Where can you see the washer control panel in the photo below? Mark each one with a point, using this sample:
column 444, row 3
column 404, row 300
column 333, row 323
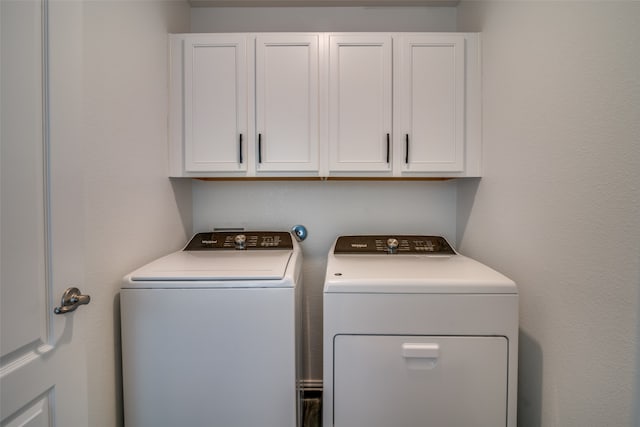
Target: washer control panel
column 240, row 240
column 403, row 244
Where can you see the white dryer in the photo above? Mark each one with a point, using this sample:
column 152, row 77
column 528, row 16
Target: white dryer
column 210, row 334
column 416, row 334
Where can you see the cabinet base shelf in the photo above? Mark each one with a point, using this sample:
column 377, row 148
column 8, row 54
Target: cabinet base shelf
column 317, row 178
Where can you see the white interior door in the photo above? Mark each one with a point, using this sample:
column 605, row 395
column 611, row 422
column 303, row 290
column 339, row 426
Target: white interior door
column 42, row 366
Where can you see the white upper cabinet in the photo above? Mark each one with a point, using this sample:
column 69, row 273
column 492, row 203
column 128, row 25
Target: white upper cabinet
column 431, row 92
column 404, row 105
column 382, row 105
column 215, row 103
column 360, row 103
column 244, row 105
column 287, row 97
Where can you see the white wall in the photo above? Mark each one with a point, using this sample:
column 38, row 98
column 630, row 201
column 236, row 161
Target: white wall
column 255, row 19
column 133, row 212
column 327, row 209
column 558, row 208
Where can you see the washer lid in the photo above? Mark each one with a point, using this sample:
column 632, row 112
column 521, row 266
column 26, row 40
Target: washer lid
column 197, row 266
column 453, row 274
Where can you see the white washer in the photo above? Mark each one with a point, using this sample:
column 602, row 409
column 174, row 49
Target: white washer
column 210, row 334
column 416, row 334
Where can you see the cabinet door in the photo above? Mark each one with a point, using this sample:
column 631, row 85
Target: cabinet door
column 287, row 102
column 360, row 103
column 215, row 103
column 382, row 381
column 432, row 103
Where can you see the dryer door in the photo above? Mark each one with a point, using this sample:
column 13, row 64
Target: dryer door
column 382, row 381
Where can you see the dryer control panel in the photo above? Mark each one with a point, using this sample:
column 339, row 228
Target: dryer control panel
column 391, row 244
column 240, row 240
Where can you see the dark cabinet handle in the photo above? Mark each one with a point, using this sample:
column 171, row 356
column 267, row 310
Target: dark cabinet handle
column 388, row 148
column 259, row 148
column 240, row 148
column 406, row 148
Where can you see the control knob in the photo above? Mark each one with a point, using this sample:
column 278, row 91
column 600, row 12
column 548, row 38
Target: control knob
column 240, row 241
column 392, row 245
